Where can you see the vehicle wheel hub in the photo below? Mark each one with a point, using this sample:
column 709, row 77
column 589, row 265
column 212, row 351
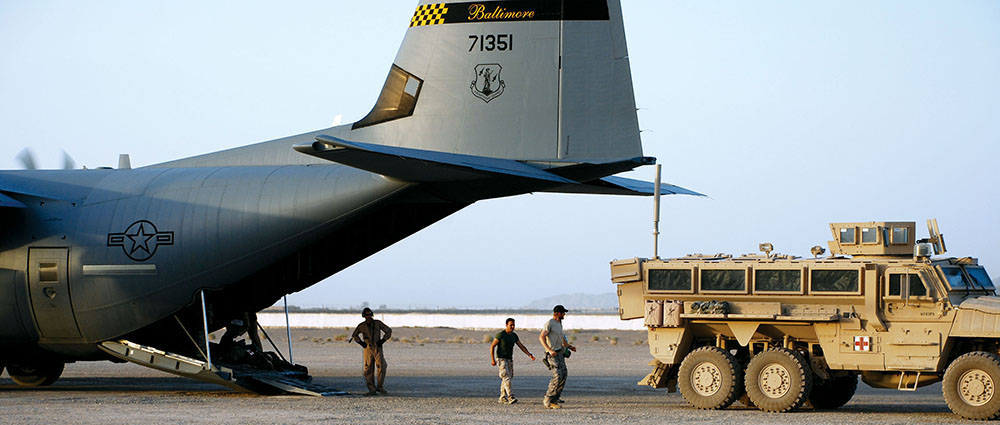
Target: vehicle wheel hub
column 775, row 381
column 706, row 379
column 976, row 387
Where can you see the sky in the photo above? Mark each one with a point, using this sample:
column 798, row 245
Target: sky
column 789, row 115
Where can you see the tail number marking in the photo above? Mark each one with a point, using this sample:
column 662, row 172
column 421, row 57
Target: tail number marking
column 492, row 42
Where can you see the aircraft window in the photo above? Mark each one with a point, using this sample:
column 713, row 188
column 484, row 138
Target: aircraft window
column 917, row 288
column 834, row 281
column 777, row 280
column 397, row 100
column 723, row 280
column 900, row 236
column 412, row 86
column 670, row 280
column 847, row 235
column 979, row 274
column 955, row 277
column 869, row 235
column 48, row 272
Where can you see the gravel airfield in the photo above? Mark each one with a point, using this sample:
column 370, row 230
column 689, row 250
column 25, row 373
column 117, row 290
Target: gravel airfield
column 435, row 375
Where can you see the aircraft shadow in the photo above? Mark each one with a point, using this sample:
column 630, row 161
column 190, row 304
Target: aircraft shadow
column 123, row 384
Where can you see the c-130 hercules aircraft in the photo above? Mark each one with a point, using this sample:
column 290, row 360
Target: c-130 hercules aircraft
column 484, row 100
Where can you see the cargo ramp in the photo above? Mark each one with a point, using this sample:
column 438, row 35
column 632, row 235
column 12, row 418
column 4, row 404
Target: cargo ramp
column 237, row 377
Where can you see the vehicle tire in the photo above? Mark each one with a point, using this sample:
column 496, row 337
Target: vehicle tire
column 970, row 386
column 709, row 378
column 745, row 400
column 35, row 375
column 833, row 393
column 742, row 392
column 778, row 380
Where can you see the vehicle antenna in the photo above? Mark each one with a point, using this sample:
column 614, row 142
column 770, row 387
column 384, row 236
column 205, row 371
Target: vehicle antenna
column 656, row 213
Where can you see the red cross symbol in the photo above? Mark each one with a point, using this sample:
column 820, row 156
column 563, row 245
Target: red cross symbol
column 862, row 343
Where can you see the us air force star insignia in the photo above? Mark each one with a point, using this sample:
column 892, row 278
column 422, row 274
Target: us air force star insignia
column 488, row 85
column 140, row 240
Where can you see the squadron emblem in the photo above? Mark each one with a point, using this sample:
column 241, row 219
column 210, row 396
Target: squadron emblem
column 488, row 85
column 140, row 240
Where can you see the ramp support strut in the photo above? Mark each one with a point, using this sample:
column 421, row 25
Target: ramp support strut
column 204, row 318
column 288, row 331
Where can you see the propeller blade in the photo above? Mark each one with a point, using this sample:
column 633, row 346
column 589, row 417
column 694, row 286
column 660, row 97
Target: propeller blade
column 27, row 159
column 68, row 162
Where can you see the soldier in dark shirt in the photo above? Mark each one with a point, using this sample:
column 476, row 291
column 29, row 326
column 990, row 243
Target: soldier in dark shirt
column 368, row 336
column 245, row 324
column 503, row 346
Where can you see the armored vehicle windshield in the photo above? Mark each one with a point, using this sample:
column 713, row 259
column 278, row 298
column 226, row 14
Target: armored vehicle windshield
column 967, row 278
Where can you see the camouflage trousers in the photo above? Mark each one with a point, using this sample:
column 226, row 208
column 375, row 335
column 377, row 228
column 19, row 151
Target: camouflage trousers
column 557, row 364
column 506, row 367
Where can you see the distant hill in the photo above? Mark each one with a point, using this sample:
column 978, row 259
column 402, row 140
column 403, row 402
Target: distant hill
column 608, row 301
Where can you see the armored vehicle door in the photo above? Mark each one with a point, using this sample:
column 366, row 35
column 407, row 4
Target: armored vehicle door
column 906, row 296
column 913, row 311
column 48, row 284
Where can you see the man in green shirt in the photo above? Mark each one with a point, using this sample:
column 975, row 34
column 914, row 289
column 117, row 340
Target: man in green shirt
column 503, row 347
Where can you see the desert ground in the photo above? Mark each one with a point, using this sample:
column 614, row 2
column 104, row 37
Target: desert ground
column 435, row 376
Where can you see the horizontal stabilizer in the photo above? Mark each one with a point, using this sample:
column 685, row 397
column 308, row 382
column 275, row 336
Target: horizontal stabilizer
column 421, row 166
column 8, row 202
column 622, row 186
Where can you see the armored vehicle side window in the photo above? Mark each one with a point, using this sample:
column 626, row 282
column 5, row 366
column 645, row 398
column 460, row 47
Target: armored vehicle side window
column 847, row 235
column 900, row 236
column 982, row 279
column 670, row 280
column 917, row 288
column 833, row 281
column 956, row 280
column 724, row 280
column 869, row 235
column 777, row 280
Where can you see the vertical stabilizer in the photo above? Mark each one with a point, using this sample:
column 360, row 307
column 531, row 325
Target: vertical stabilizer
column 525, row 80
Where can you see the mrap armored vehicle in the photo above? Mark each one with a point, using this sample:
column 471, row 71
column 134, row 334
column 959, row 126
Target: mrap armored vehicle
column 777, row 331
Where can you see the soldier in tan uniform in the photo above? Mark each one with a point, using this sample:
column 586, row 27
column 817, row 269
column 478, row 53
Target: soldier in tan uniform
column 557, row 349
column 370, row 335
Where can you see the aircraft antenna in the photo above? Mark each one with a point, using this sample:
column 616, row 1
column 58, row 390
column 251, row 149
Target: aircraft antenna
column 124, row 162
column 656, row 213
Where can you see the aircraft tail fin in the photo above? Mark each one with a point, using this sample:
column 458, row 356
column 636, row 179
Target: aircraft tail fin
column 522, row 80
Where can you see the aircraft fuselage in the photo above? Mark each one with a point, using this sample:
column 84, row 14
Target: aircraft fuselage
column 122, row 249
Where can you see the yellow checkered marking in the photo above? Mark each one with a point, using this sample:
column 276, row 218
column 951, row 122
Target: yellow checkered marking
column 429, row 14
